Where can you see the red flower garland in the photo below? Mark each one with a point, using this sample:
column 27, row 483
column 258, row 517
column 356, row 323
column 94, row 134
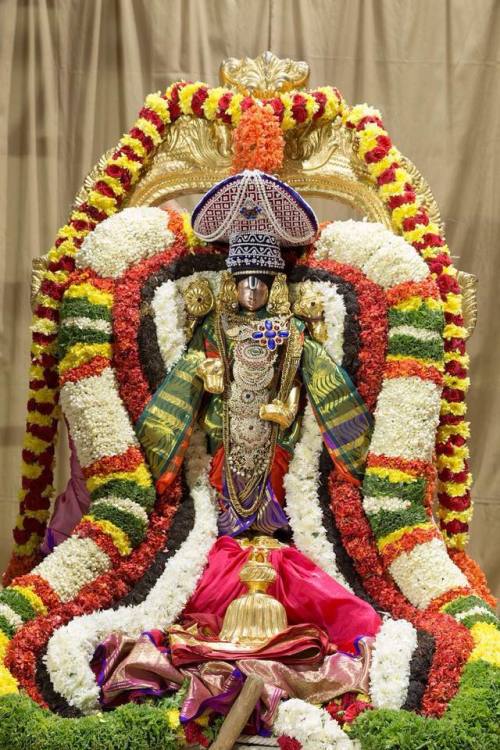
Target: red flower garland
column 25, row 646
column 474, row 575
column 453, row 641
column 134, row 388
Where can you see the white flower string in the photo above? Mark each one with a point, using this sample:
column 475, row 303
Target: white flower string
column 302, row 501
column 393, row 649
column 170, row 318
column 312, row 726
column 123, row 240
column 71, row 647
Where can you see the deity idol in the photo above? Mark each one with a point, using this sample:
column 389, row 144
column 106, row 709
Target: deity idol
column 261, row 606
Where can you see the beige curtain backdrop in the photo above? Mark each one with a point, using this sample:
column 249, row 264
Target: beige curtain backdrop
column 74, row 73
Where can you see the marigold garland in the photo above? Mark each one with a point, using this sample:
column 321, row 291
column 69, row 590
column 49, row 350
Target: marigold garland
column 258, row 141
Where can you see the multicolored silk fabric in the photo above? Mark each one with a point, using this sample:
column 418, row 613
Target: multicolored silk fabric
column 344, row 419
column 165, row 426
column 324, row 652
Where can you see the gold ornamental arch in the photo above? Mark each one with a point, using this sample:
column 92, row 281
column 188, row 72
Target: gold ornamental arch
column 320, row 159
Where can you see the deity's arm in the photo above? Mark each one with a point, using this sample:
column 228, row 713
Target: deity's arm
column 164, row 427
column 344, row 419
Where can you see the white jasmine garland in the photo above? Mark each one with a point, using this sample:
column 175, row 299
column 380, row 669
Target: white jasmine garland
column 71, row 565
column 393, row 649
column 312, row 726
column 123, row 240
column 396, row 261
column 302, row 502
column 351, row 242
column 98, row 421
column 94, row 324
column 71, row 647
column 426, row 572
column 170, row 319
column 406, row 418
column 335, row 315
column 374, row 504
column 422, row 334
column 170, row 314
column 384, row 257
column 477, row 610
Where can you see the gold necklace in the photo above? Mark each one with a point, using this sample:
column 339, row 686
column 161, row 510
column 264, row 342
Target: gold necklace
column 235, row 496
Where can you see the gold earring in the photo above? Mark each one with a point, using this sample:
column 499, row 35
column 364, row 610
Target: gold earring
column 227, row 300
column 278, row 302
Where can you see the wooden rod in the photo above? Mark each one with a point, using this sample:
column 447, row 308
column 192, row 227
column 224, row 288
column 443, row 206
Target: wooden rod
column 239, row 713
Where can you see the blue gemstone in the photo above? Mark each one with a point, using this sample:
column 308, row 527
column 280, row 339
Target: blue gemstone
column 270, row 334
column 268, row 324
column 283, row 334
column 257, row 335
column 271, row 344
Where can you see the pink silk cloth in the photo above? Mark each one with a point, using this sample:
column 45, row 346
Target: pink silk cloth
column 301, row 662
column 308, row 594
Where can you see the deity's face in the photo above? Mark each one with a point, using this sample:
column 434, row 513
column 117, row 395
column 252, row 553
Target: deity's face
column 253, row 293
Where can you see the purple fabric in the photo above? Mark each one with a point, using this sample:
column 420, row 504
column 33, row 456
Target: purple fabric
column 269, row 517
column 69, row 506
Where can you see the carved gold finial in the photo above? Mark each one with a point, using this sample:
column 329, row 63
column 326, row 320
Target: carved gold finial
column 263, row 76
column 468, row 284
column 38, row 268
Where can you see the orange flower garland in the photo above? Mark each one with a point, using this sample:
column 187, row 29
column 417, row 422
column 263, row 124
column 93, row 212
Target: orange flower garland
column 258, row 141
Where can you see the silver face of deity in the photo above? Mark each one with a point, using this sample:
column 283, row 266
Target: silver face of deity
column 252, row 293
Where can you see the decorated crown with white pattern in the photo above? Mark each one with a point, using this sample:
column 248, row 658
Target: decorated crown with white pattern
column 256, row 214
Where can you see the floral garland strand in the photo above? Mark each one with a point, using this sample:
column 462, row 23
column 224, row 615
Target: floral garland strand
column 303, row 507
column 71, row 675
column 21, row 655
column 453, row 643
column 398, row 481
column 119, row 483
column 292, row 110
column 412, row 221
column 310, row 726
column 119, row 175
